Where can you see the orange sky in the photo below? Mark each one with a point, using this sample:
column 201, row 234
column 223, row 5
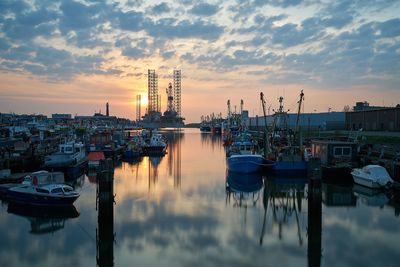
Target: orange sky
column 73, row 57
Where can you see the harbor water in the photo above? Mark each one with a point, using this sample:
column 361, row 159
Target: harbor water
column 185, row 209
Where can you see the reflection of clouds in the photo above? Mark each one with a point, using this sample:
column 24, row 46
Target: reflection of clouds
column 19, row 248
column 158, row 226
column 366, row 236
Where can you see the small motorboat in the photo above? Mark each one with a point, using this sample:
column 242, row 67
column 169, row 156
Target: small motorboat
column 53, row 194
column 373, row 176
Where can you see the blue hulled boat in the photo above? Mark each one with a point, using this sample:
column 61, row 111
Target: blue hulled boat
column 243, row 159
column 245, row 163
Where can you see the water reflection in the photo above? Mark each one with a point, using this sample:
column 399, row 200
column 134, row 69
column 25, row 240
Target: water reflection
column 243, row 190
column 371, row 196
column 211, row 140
column 196, row 213
column 338, row 195
column 44, row 220
column 284, row 199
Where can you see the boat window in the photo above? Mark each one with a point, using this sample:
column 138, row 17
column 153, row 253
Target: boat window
column 342, row 151
column 67, row 189
column 338, row 151
column 346, row 151
column 56, row 190
column 41, row 190
column 68, row 149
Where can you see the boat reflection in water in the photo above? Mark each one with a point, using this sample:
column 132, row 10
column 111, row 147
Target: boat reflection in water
column 44, row 220
column 243, row 188
column 371, row 196
column 284, row 197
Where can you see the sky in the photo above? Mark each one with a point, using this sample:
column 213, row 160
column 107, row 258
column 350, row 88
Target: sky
column 74, row 56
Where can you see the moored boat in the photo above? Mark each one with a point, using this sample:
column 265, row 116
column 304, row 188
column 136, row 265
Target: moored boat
column 243, row 159
column 245, row 163
column 373, row 176
column 56, row 194
column 156, row 145
column 69, row 154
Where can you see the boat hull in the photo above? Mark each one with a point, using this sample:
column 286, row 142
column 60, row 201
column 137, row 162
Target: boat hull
column 39, row 199
column 129, row 154
column 289, row 167
column 365, row 182
column 155, row 150
column 245, row 163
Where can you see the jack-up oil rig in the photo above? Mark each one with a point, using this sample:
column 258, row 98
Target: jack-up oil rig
column 172, row 117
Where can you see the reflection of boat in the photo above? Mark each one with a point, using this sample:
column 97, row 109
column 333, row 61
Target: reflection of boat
column 243, row 188
column 44, row 219
column 373, row 176
column 370, row 196
column 284, row 198
column 43, row 195
column 238, row 182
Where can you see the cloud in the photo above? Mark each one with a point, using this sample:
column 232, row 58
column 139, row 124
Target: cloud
column 131, row 20
column 204, row 9
column 170, row 28
column 160, row 8
column 77, row 16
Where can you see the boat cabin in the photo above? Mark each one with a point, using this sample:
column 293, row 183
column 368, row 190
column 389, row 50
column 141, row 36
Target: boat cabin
column 71, row 148
column 333, row 152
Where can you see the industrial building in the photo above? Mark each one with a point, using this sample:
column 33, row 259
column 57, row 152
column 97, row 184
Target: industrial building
column 308, row 121
column 383, row 119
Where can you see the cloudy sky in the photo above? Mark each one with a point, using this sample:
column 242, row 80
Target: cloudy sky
column 74, row 56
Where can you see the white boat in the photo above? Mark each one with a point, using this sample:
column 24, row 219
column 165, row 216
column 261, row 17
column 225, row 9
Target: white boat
column 156, row 145
column 69, row 154
column 373, row 176
column 43, row 195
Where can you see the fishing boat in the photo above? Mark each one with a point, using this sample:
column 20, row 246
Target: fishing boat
column 134, row 148
column 285, row 152
column 156, row 145
column 53, row 194
column 373, row 176
column 68, row 154
column 242, row 157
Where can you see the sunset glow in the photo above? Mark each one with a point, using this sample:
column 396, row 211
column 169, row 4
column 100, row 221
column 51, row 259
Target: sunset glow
column 74, row 56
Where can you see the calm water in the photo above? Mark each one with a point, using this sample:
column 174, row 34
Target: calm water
column 178, row 210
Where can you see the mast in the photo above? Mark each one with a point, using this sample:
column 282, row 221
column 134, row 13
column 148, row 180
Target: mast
column 229, row 113
column 298, row 113
column 266, row 141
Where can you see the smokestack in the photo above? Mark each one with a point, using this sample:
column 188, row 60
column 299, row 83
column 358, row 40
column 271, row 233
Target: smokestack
column 107, row 110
